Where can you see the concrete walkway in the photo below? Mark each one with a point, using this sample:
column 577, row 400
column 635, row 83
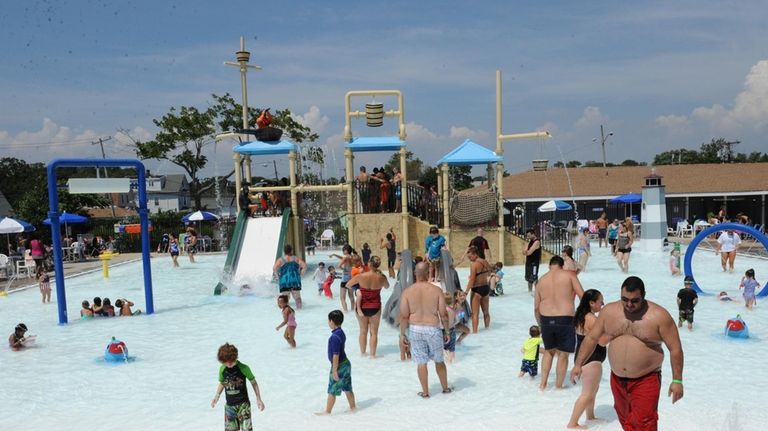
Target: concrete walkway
column 70, row 269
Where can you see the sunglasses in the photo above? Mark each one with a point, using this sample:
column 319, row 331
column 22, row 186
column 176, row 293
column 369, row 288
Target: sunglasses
column 631, row 301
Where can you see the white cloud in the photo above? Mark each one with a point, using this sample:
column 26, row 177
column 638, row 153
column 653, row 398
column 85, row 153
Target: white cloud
column 591, row 117
column 461, row 133
column 313, row 119
column 672, row 121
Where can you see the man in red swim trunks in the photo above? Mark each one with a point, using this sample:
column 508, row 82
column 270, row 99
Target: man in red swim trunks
column 637, row 328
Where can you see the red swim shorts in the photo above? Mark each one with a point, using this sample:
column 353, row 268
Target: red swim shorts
column 637, row 401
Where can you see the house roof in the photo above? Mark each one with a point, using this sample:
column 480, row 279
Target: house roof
column 172, row 183
column 469, row 153
column 107, row 212
column 5, row 206
column 679, row 180
column 375, row 143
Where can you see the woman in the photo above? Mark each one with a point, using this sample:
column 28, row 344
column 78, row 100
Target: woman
column 37, row 251
column 727, row 244
column 191, row 243
column 345, row 263
column 288, row 270
column 369, row 304
column 567, row 255
column 388, row 243
column 479, row 271
column 624, row 245
column 592, row 367
column 584, row 249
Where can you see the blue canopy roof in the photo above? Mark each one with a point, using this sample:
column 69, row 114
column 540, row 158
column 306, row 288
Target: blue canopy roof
column 376, row 143
column 261, row 148
column 469, row 153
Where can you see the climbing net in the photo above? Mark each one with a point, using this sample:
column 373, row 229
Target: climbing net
column 474, row 209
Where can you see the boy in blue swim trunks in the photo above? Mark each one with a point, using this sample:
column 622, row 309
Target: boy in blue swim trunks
column 232, row 377
column 340, row 378
column 531, row 353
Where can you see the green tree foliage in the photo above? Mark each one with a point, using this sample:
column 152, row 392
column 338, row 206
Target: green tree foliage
column 460, row 177
column 718, row 150
column 186, row 131
column 413, row 165
column 630, row 162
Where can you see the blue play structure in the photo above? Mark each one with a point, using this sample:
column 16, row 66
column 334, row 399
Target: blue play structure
column 55, row 217
column 736, row 328
column 738, row 227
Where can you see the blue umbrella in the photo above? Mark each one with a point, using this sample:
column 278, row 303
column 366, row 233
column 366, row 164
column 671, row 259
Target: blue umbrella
column 554, row 205
column 199, row 216
column 67, row 219
column 629, row 198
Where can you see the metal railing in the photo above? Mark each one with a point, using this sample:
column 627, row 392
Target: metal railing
column 425, row 204
column 372, row 197
column 552, row 236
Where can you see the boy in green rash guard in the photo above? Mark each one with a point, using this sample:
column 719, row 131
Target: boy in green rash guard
column 232, row 377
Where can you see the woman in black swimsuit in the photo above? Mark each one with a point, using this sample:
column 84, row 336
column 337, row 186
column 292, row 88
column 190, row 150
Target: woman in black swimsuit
column 592, row 369
column 479, row 271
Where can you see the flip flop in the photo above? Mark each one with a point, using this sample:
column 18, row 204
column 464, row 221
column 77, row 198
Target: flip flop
column 448, row 390
column 423, row 394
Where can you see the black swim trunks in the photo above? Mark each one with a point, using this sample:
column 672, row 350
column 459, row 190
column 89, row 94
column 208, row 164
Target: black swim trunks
column 532, row 272
column 483, row 291
column 601, row 233
column 558, row 332
column 686, row 316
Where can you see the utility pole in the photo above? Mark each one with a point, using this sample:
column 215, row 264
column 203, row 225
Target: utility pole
column 726, row 154
column 106, row 175
column 603, row 138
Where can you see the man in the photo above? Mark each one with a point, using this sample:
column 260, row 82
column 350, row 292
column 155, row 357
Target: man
column 637, row 328
column 532, row 258
column 423, row 309
column 602, row 229
column 481, row 244
column 554, row 310
column 363, row 186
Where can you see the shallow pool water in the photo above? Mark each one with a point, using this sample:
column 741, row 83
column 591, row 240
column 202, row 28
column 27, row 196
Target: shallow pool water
column 62, row 383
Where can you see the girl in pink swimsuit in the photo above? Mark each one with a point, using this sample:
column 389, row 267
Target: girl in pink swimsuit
column 289, row 320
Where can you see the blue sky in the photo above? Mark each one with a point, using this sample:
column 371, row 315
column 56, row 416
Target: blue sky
column 660, row 75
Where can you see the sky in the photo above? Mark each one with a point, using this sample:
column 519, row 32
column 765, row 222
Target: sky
column 660, row 75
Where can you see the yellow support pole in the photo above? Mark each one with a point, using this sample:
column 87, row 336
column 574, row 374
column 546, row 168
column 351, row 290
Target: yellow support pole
column 238, row 178
column 348, row 156
column 446, row 209
column 404, row 199
column 248, row 175
column 294, row 202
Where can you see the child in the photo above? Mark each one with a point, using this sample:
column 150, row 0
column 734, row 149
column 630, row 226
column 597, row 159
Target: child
column 494, row 280
column 107, row 308
column 329, row 282
column 289, row 320
column 674, row 262
column 232, row 377
column 463, row 315
column 531, row 353
column 450, row 346
column 86, row 312
column 434, row 244
column 686, row 301
column 44, row 283
column 18, row 340
column 97, row 308
column 125, row 307
column 319, row 276
column 366, row 253
column 340, row 378
column 723, row 296
column 749, row 284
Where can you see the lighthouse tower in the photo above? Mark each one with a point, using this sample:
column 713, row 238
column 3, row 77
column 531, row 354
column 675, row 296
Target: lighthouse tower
column 654, row 213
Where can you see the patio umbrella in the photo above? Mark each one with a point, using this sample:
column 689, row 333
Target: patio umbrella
column 554, row 205
column 67, row 219
column 199, row 216
column 629, row 198
column 11, row 225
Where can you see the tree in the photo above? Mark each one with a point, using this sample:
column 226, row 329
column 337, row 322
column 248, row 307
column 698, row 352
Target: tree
column 558, row 165
column 413, row 165
column 460, row 177
column 15, row 177
column 186, row 131
column 630, row 162
column 573, row 164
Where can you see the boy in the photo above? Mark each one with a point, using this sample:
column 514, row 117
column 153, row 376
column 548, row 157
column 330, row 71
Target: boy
column 531, row 352
column 232, row 377
column 319, row 276
column 18, row 340
column 686, row 300
column 494, row 280
column 124, row 306
column 340, row 379
column 434, row 244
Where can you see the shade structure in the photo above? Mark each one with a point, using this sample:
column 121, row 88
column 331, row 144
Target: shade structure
column 68, row 218
column 629, row 198
column 12, row 225
column 199, row 216
column 375, row 143
column 261, row 148
column 555, row 205
column 469, row 153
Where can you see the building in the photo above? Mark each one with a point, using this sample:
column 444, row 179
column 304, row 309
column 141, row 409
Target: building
column 164, row 193
column 692, row 191
column 5, row 206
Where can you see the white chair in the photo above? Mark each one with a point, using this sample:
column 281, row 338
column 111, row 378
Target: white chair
column 26, row 266
column 327, row 238
column 683, row 229
column 4, row 265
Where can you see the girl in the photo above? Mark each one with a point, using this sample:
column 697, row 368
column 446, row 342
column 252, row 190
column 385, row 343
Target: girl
column 345, row 263
column 450, row 346
column 329, row 282
column 86, row 312
column 567, row 255
column 289, row 320
column 749, row 284
column 592, row 369
column 674, row 262
column 174, row 250
column 191, row 243
column 461, row 310
column 44, row 283
column 624, row 245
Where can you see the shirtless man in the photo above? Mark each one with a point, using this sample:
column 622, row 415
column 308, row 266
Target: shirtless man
column 422, row 307
column 637, row 328
column 554, row 308
column 602, row 229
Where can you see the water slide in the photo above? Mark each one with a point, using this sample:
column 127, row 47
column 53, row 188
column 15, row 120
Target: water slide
column 256, row 244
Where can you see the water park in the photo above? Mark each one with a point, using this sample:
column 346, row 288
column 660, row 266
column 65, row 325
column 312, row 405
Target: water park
column 158, row 369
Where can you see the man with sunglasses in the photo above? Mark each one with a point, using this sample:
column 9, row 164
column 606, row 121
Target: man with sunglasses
column 637, row 329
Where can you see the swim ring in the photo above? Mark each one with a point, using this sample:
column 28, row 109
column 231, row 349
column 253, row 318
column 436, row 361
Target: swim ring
column 116, row 351
column 736, row 328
